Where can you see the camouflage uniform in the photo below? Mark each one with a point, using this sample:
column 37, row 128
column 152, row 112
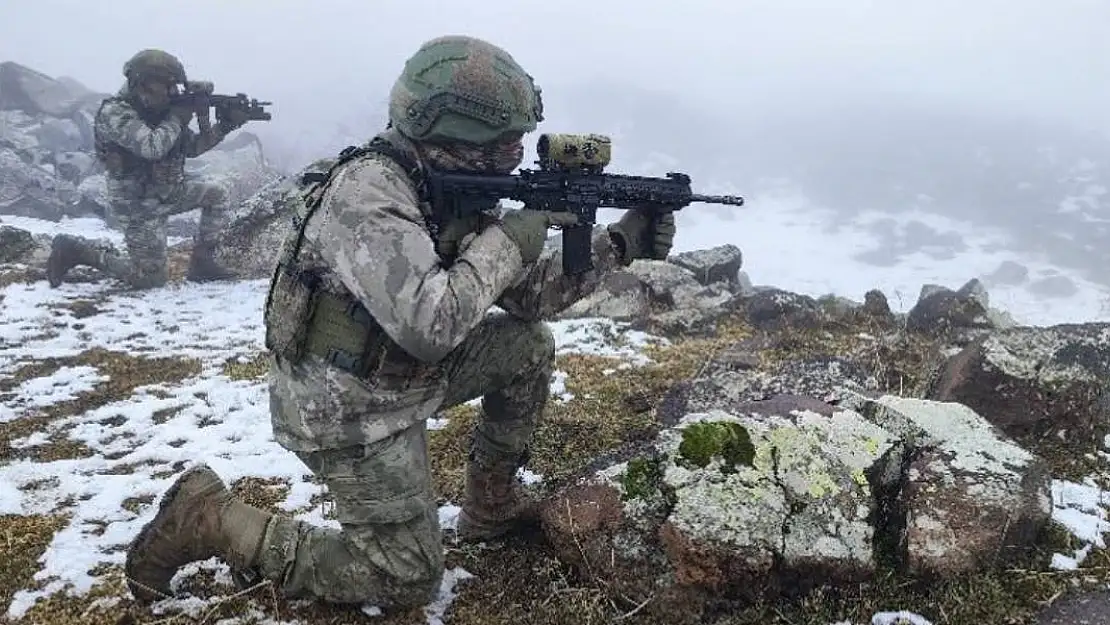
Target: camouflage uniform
column 377, row 318
column 143, row 147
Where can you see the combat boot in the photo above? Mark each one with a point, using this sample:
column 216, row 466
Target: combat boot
column 495, row 503
column 197, row 519
column 67, row 252
column 204, row 268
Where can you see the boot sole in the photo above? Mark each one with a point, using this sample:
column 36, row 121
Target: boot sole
column 142, row 541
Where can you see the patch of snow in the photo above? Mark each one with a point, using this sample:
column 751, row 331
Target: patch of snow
column 1081, row 509
column 90, row 227
column 141, row 443
column 822, row 258
column 59, row 386
column 559, row 387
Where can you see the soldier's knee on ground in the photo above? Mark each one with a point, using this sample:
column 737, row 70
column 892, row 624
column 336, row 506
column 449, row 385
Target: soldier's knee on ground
column 389, row 551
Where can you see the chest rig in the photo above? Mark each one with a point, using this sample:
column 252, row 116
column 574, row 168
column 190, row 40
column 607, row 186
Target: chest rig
column 157, row 176
column 303, row 316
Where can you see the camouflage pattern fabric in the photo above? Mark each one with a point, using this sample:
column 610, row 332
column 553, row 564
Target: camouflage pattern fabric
column 463, row 89
column 388, row 551
column 147, row 184
column 144, row 231
column 369, row 238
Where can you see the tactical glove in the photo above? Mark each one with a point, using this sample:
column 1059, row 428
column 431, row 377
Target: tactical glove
column 528, row 229
column 643, row 234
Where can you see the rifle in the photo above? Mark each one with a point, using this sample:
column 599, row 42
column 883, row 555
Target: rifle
column 199, row 95
column 570, row 178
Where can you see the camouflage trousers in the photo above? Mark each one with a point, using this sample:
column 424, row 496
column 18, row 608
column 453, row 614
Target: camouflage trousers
column 144, row 224
column 387, row 551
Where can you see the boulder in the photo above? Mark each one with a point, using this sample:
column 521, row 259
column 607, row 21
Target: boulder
column 758, row 499
column 1033, row 381
column 18, row 246
column 771, row 308
column 719, row 264
column 250, row 244
column 32, row 190
column 34, row 93
column 659, row 296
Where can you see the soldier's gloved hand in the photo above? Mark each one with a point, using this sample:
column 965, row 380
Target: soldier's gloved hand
column 643, row 234
column 528, row 229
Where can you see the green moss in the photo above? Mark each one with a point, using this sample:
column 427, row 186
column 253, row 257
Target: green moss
column 641, row 479
column 730, row 441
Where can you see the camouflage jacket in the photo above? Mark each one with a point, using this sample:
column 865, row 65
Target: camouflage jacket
column 144, row 158
column 368, row 241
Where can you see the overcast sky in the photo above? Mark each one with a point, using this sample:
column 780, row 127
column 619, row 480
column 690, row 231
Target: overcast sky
column 329, row 63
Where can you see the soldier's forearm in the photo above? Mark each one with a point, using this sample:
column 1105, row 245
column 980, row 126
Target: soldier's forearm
column 205, row 140
column 545, row 291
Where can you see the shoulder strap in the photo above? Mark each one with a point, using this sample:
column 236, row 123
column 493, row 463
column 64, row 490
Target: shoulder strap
column 318, row 180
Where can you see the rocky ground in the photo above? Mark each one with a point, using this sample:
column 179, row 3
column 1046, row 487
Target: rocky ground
column 714, row 452
column 48, row 169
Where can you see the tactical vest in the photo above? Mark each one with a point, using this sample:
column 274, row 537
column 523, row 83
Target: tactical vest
column 157, row 176
column 303, row 318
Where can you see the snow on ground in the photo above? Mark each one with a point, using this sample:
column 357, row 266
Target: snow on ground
column 791, row 244
column 208, row 418
column 90, row 227
column 211, row 418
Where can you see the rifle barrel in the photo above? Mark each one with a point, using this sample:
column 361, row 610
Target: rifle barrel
column 734, row 200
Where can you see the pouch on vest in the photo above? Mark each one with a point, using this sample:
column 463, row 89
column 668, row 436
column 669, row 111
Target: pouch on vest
column 292, row 301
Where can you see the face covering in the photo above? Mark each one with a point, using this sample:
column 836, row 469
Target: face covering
column 494, row 158
column 154, row 95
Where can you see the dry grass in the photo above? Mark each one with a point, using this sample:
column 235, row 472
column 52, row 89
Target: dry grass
column 125, row 373
column 523, row 581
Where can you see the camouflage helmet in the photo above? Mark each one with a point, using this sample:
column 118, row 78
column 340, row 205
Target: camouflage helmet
column 154, row 64
column 458, row 88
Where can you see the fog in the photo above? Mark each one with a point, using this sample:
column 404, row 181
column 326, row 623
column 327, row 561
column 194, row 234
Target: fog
column 992, row 112
column 327, row 65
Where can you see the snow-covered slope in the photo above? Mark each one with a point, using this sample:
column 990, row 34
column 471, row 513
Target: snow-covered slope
column 136, row 443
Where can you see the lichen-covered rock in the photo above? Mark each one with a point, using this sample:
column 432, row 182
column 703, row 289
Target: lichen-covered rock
column 969, row 495
column 621, row 296
column 657, row 296
column 747, row 500
column 719, row 264
column 1033, row 381
column 249, row 246
column 768, row 499
column 799, row 511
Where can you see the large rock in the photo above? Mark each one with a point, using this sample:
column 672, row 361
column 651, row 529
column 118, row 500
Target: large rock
column 32, row 190
column 18, row 246
column 48, row 169
column 657, row 295
column 713, row 265
column 1033, row 381
column 249, row 246
column 35, row 93
column 772, row 497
